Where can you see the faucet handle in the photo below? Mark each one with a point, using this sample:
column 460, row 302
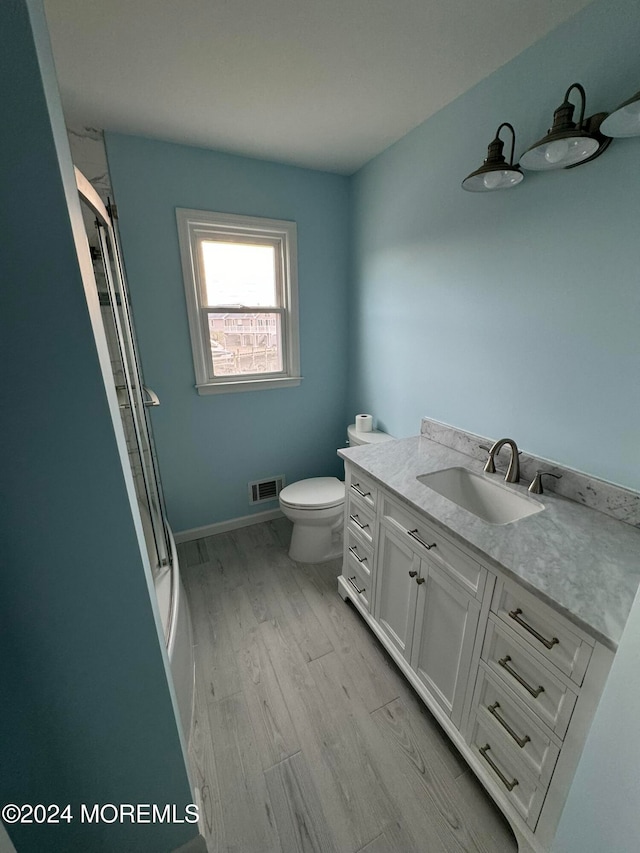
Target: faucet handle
column 536, row 485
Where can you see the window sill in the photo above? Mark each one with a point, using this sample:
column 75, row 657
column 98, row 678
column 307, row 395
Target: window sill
column 248, row 385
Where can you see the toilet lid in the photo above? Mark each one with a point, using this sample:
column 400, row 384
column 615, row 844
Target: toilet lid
column 315, row 493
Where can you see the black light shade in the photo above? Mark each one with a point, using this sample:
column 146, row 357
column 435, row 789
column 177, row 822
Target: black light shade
column 567, row 144
column 495, row 173
column 625, row 120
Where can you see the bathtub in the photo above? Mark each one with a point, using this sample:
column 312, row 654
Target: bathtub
column 176, row 622
column 176, row 625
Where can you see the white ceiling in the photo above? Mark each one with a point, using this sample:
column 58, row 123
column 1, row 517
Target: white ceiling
column 325, row 84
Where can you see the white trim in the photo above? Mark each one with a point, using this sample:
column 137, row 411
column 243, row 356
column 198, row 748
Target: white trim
column 282, row 234
column 224, row 526
column 248, row 385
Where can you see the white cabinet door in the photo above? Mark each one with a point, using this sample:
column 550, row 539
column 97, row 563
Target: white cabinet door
column 445, row 632
column 396, row 590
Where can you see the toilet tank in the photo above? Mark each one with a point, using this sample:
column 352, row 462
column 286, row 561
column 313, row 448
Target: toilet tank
column 374, row 437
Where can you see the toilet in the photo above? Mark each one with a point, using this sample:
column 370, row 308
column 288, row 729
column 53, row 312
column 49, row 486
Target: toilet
column 316, row 508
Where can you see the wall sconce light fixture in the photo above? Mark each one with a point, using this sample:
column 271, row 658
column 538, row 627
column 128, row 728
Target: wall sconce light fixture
column 495, row 173
column 625, row 120
column 568, row 144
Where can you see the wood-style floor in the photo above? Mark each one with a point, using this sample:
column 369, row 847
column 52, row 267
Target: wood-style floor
column 306, row 736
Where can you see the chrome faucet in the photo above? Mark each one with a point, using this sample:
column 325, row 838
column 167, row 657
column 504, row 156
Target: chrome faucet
column 513, row 472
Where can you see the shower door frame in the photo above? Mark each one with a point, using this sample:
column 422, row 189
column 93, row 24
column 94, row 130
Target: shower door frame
column 134, row 387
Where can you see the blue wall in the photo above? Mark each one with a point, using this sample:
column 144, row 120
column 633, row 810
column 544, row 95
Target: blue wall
column 86, row 714
column 517, row 312
column 210, row 447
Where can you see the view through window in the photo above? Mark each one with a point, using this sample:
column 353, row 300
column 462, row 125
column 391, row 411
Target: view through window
column 239, row 275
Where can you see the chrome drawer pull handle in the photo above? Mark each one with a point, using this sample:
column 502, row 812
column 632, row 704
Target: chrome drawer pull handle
column 521, row 741
column 362, row 494
column 515, row 615
column 352, row 582
column 535, row 692
column 419, row 580
column 412, row 574
column 413, row 534
column 508, row 785
column 356, row 555
column 356, row 520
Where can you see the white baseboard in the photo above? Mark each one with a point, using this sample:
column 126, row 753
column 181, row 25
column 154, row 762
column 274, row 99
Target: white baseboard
column 224, row 526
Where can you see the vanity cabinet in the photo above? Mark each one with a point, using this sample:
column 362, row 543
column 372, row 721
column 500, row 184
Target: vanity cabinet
column 444, row 636
column 398, row 567
column 358, row 564
column 512, row 681
column 425, row 612
column 531, row 669
column 360, row 537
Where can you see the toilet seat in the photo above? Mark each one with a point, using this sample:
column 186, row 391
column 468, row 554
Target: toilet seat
column 314, row 493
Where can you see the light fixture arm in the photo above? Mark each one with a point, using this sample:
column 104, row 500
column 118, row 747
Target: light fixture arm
column 583, row 101
column 513, row 138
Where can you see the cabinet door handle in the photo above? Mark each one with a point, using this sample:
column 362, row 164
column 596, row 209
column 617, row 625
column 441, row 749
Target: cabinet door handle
column 412, row 574
column 356, row 520
column 356, row 555
column 508, row 785
column 414, row 535
column 535, row 692
column 521, row 741
column 515, row 615
column 357, row 490
column 419, row 580
column 352, row 582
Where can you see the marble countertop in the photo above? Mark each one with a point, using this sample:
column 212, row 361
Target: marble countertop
column 583, row 562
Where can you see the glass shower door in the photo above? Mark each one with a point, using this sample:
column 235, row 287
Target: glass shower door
column 134, row 398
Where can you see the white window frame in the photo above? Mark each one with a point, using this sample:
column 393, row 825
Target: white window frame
column 196, row 225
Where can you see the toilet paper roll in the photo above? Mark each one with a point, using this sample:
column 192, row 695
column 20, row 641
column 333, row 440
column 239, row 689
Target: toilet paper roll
column 364, row 423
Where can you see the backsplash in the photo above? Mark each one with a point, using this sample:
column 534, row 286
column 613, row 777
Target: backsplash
column 622, row 504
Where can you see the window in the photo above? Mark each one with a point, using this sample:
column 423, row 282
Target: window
column 240, row 279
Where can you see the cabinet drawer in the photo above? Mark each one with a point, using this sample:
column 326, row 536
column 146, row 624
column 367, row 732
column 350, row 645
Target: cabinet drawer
column 358, row 554
column 360, row 485
column 543, row 692
column 425, row 538
column 361, row 519
column 507, row 773
column 513, row 727
column 546, row 631
column 358, row 581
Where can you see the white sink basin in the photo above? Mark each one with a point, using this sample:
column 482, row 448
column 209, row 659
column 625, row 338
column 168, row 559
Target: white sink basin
column 480, row 495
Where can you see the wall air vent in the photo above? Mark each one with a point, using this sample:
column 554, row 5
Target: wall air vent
column 261, row 491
